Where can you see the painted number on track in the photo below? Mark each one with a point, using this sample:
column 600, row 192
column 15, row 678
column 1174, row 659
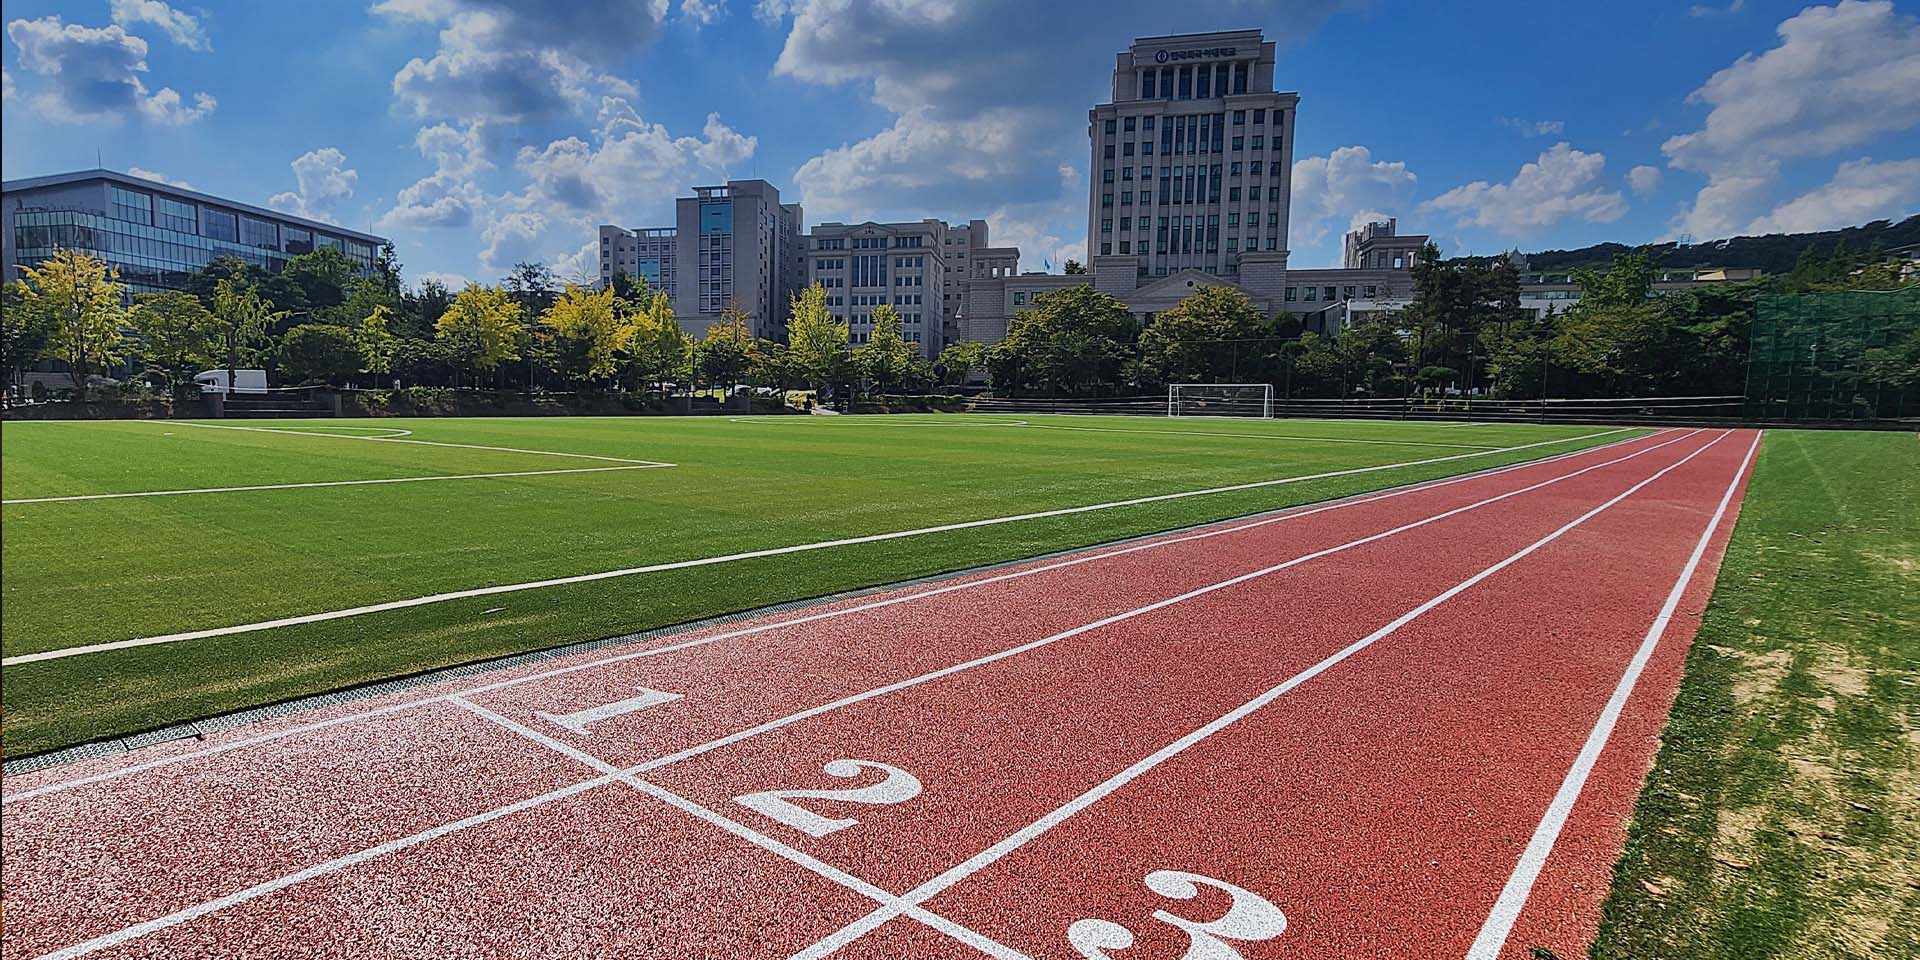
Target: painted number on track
column 1249, row 919
column 898, row 786
column 579, row 720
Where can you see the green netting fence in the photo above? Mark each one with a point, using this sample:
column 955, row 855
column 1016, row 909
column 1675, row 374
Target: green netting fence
column 1850, row 355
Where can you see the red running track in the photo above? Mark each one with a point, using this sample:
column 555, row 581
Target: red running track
column 1409, row 724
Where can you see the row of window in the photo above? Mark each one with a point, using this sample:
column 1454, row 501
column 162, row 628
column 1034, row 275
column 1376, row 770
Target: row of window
column 1187, row 241
column 177, row 216
column 1200, row 81
column 1239, row 119
column 1257, row 168
column 168, row 255
column 1315, row 294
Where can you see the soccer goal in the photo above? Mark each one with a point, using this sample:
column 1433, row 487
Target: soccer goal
column 1220, row 400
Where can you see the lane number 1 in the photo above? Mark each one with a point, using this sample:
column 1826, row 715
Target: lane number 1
column 898, row 786
column 1250, row 918
column 579, row 720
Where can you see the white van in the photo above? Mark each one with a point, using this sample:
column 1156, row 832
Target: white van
column 244, row 381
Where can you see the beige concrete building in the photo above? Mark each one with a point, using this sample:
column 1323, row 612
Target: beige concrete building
column 736, row 244
column 645, row 253
column 921, row 268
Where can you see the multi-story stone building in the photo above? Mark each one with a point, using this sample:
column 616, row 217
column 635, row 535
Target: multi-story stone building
column 737, row 245
column 156, row 235
column 645, row 253
column 917, row 267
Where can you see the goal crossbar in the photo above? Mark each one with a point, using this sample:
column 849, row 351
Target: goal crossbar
column 1220, row 400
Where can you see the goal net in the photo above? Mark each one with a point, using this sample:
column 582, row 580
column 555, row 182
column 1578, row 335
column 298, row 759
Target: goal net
column 1220, row 400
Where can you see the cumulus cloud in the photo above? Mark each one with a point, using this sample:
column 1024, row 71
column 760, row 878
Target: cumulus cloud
column 181, row 27
column 1861, row 191
column 1643, row 180
column 1330, row 191
column 158, row 177
column 1562, row 183
column 450, row 196
column 324, row 182
column 1840, row 76
column 505, row 61
column 94, row 75
column 703, row 13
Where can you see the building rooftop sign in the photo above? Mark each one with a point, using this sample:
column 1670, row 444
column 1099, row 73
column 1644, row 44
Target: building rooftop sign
column 1209, row 53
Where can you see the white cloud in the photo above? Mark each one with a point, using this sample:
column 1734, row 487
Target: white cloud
column 1840, row 76
column 1329, row 191
column 6, row 84
column 95, row 75
column 452, row 281
column 450, row 196
column 771, row 11
column 1861, row 191
column 1704, row 10
column 1535, row 128
column 506, row 61
column 724, row 147
column 158, row 177
column 1643, row 180
column 921, row 166
column 703, row 13
column 1561, row 183
column 180, row 26
column 324, row 182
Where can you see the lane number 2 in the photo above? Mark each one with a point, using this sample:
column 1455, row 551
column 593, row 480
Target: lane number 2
column 898, row 786
column 1250, row 918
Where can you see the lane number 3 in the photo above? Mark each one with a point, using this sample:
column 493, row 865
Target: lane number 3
column 898, row 786
column 1250, row 918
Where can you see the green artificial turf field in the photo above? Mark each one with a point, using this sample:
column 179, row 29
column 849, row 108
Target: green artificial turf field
column 91, row 571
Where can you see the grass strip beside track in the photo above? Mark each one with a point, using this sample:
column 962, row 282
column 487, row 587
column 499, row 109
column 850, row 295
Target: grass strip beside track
column 1782, row 815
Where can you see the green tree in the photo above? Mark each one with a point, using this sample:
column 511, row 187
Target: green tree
column 79, row 298
column 241, row 321
column 1209, row 337
column 658, row 351
column 319, row 351
column 957, row 359
column 24, row 328
column 587, row 333
column 817, row 342
column 886, row 358
column 176, row 333
column 481, row 328
column 724, row 355
column 1071, row 342
column 1360, row 358
column 375, row 343
column 1074, row 268
column 325, row 277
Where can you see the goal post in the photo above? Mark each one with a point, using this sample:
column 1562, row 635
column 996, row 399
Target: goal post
column 1220, row 400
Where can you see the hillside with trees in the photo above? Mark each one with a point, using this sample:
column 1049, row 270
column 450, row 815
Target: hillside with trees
column 1773, row 253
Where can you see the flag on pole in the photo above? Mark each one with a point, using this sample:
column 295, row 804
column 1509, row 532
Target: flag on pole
column 1048, row 264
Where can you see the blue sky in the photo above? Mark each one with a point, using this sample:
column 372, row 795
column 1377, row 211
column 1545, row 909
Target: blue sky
column 481, row 132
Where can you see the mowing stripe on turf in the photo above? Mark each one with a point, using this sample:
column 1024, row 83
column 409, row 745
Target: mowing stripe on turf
column 1022, row 837
column 424, row 443
column 746, row 555
column 333, row 483
column 1090, row 555
column 1513, row 896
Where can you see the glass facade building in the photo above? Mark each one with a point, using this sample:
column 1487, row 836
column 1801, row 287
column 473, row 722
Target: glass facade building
column 156, row 235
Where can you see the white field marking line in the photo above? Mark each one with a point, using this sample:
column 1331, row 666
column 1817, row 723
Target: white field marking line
column 899, row 906
column 811, row 617
column 424, row 443
column 1171, row 433
column 1513, row 896
column 331, row 483
column 993, row 854
column 732, row 557
column 820, row 867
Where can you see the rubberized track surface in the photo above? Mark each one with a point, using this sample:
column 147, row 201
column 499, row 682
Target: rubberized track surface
column 1409, row 724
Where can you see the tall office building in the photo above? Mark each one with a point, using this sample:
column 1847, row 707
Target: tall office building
column 1193, row 159
column 918, row 267
column 737, row 245
column 645, row 253
column 155, row 234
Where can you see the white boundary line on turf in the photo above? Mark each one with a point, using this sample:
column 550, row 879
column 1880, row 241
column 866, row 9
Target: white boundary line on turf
column 895, row 906
column 1513, row 895
column 1020, row 838
column 332, row 483
column 424, row 443
column 1170, row 433
column 732, row 557
column 1090, row 556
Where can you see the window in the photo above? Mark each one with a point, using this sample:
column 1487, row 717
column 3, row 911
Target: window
column 1293, row 293
column 1371, row 290
column 1109, row 125
column 1126, row 224
column 1233, row 219
column 1233, row 194
column 175, row 215
column 1106, row 199
column 1348, row 291
column 1235, row 169
column 296, row 240
column 1146, row 123
column 132, row 205
column 1127, row 124
column 220, row 225
column 1108, row 151
column 1106, row 225
column 1329, row 297
column 1239, row 117
column 1126, row 198
column 255, row 232
column 1126, row 246
column 1239, row 143
column 1126, row 173
column 1106, row 248
column 1233, row 244
column 1106, row 176
column 1259, row 142
column 1254, row 167
column 1253, row 193
column 1126, row 149
column 1259, row 117
column 1146, row 146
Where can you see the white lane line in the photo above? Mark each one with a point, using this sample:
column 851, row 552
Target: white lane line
column 330, row 483
column 809, row 618
column 630, row 774
column 784, row 851
column 1513, row 895
column 732, row 557
column 424, row 443
column 1025, row 835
